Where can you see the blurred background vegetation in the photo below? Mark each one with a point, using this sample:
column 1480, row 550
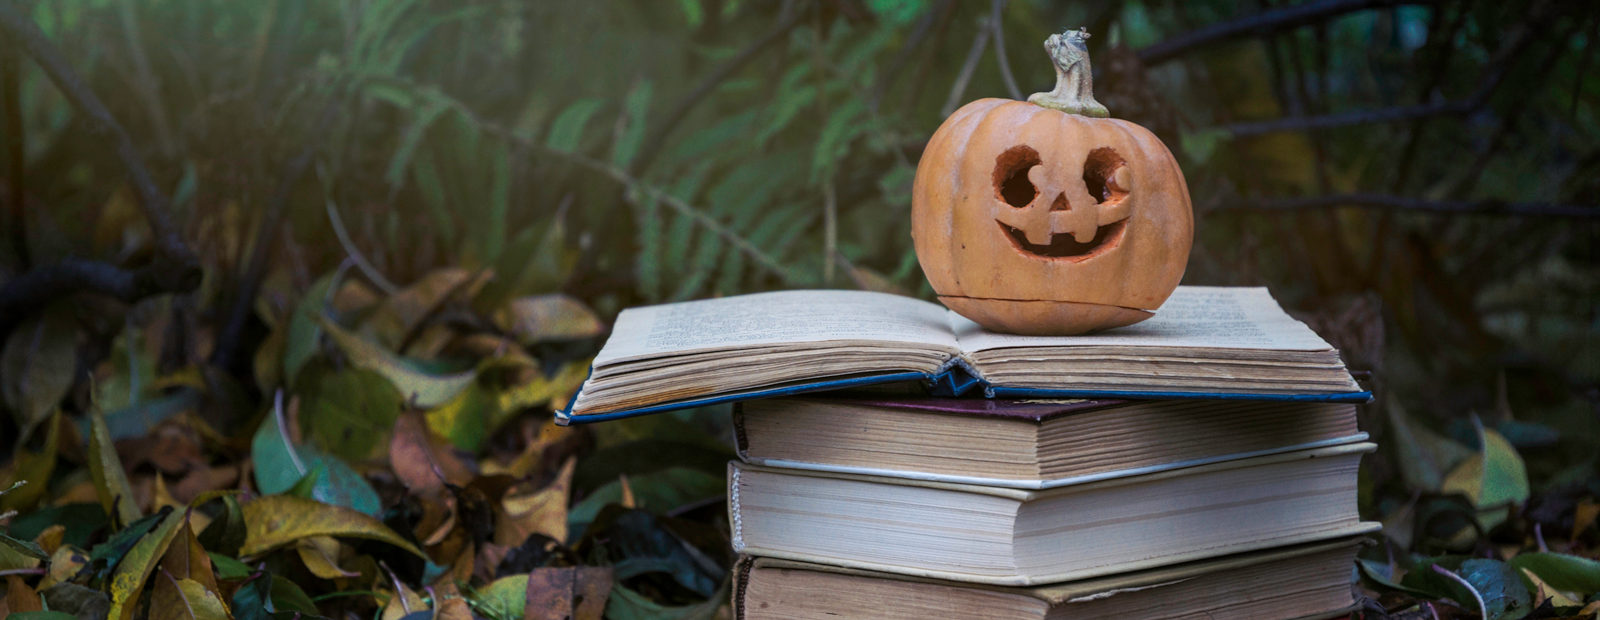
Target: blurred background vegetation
column 1419, row 180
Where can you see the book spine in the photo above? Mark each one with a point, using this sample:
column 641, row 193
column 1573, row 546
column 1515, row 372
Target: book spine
column 735, row 520
column 741, row 580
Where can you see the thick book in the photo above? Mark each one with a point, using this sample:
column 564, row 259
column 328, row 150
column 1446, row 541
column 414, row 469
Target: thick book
column 1301, row 582
column 1204, row 342
column 1005, row 536
column 1031, row 444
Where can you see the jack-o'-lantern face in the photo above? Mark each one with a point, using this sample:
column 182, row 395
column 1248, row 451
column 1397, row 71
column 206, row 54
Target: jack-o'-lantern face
column 1036, row 213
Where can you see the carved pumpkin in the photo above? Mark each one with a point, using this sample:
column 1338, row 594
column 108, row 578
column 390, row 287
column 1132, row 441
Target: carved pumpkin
column 1046, row 218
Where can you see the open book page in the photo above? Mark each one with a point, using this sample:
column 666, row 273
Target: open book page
column 1194, row 317
column 775, row 318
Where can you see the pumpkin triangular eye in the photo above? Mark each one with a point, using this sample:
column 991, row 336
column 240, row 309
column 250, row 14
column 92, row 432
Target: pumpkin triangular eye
column 1011, row 175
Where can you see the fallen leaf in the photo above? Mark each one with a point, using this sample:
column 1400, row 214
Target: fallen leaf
column 35, row 467
column 403, row 312
column 184, row 599
column 549, row 317
column 321, row 556
column 135, row 567
column 160, row 497
column 1568, row 573
column 347, row 413
column 1542, row 592
column 503, row 599
column 279, row 465
column 186, row 558
column 403, row 602
column 448, row 604
column 77, row 600
column 423, row 389
column 277, row 520
column 38, row 366
column 525, row 511
column 50, row 539
column 65, row 563
column 300, row 341
column 1492, row 479
column 577, row 592
column 110, row 481
column 421, row 461
column 226, row 533
column 20, row 597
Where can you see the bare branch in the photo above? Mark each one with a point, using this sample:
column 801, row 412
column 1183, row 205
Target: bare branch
column 28, row 293
column 1263, row 23
column 1406, row 203
column 959, row 89
column 16, row 152
column 995, row 22
column 182, row 268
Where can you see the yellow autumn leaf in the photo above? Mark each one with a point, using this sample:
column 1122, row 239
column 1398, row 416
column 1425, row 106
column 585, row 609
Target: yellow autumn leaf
column 548, row 317
column 277, row 520
column 321, row 556
column 110, row 481
column 526, row 511
column 425, row 390
column 185, row 599
column 128, row 580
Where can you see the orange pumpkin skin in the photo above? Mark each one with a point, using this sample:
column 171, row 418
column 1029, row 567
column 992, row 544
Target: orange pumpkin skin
column 1067, row 261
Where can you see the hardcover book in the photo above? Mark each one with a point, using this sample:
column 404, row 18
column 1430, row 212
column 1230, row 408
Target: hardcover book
column 1302, row 582
column 1028, row 443
column 1205, row 342
column 1004, row 536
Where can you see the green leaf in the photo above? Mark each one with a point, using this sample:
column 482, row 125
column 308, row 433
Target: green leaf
column 657, row 492
column 279, row 466
column 833, row 144
column 635, row 108
column 105, row 469
column 1492, row 480
column 42, row 615
column 229, row 568
column 25, row 547
column 430, row 187
column 1380, row 574
column 81, row 519
column 226, row 532
column 1504, row 595
column 504, row 599
column 1425, row 456
column 567, row 130
column 418, row 387
column 1568, row 573
column 349, row 413
column 286, row 596
column 37, row 366
column 301, row 342
column 626, row 604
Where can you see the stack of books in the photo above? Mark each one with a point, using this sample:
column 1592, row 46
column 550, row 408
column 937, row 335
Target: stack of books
column 1201, row 464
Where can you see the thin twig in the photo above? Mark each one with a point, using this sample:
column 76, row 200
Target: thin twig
column 31, row 291
column 31, row 39
column 1385, row 201
column 355, row 255
column 658, row 139
column 227, row 352
column 147, row 86
column 1263, row 23
column 16, row 152
column 1483, row 610
column 919, row 33
column 959, row 89
column 997, row 9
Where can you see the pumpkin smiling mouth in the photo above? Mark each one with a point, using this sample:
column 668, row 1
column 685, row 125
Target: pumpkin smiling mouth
column 1063, row 246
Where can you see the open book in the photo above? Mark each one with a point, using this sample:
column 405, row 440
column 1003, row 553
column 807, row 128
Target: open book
column 1205, row 342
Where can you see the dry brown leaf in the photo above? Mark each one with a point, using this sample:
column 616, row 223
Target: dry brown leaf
column 1543, row 592
column 421, row 460
column 20, row 597
column 321, row 556
column 207, row 479
column 577, row 592
column 448, row 603
column 1584, row 516
column 404, row 602
column 526, row 511
column 50, row 538
column 628, row 500
column 184, row 599
column 489, row 558
column 538, row 436
column 187, row 559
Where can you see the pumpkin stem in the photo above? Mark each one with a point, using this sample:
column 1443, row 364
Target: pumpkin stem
column 1074, row 92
